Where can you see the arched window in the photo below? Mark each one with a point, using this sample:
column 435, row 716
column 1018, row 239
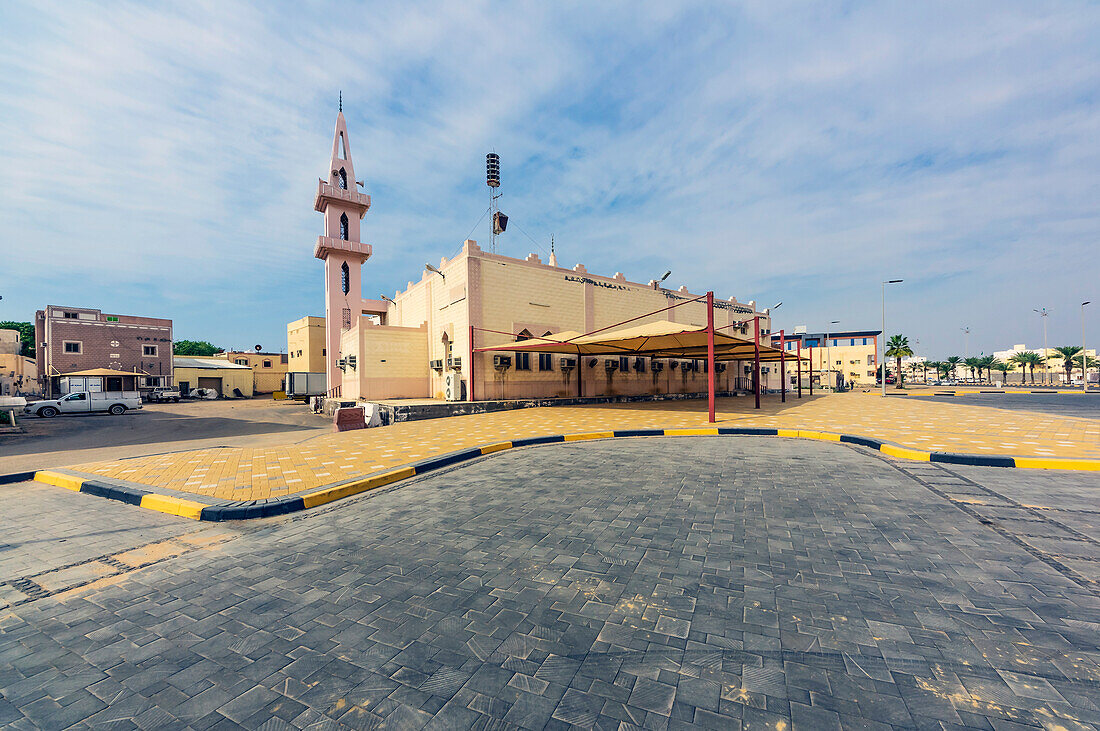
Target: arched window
column 343, row 179
column 344, row 226
column 345, row 278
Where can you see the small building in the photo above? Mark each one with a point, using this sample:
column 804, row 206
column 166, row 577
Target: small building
column 305, row 341
column 99, row 380
column 851, row 355
column 217, row 373
column 74, row 339
column 268, row 369
column 18, row 373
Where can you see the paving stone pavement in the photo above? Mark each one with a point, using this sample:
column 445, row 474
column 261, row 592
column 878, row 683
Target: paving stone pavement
column 645, row 583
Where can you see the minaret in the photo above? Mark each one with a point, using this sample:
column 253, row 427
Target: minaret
column 343, row 207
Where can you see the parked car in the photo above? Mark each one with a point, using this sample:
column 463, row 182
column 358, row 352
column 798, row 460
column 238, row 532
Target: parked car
column 84, row 402
column 163, row 394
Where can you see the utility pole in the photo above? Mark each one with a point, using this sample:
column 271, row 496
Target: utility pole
column 896, row 375
column 1043, row 316
column 1084, row 357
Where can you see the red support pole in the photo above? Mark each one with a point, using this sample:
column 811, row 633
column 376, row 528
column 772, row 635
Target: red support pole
column 783, row 366
column 710, row 355
column 470, row 390
column 800, row 368
column 811, row 370
column 756, row 359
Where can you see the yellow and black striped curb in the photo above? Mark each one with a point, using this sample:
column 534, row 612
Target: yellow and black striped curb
column 281, row 506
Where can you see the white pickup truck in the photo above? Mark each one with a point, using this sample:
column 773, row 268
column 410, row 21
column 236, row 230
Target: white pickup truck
column 84, row 402
column 162, row 394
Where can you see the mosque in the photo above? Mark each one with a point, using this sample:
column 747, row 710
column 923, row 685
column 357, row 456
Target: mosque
column 441, row 337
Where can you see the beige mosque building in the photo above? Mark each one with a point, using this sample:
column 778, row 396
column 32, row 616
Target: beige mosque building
column 424, row 342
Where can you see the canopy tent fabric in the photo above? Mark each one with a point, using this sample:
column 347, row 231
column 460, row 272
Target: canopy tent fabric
column 655, row 339
column 105, row 372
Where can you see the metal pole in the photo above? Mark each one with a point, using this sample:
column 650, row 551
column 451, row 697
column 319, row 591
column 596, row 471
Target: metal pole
column 882, row 358
column 470, row 370
column 710, row 355
column 1046, row 366
column 800, row 368
column 1084, row 358
column 811, row 370
column 782, row 367
column 756, row 359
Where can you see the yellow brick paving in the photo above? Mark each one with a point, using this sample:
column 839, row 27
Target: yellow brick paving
column 264, row 472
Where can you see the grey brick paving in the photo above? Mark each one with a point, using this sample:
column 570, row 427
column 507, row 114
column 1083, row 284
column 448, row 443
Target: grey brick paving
column 650, row 583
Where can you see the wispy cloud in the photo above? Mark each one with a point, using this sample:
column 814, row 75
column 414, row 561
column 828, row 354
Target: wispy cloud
column 162, row 160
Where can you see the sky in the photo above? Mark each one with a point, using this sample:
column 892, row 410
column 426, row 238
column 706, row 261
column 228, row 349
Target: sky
column 160, row 159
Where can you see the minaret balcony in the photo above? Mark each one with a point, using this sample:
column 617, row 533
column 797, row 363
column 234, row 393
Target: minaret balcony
column 328, row 245
column 327, row 192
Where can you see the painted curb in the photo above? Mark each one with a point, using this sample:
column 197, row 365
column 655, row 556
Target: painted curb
column 282, row 506
column 16, row 477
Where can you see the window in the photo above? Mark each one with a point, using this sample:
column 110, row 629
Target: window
column 267, row 364
column 241, row 361
column 74, row 346
column 546, row 362
column 323, row 352
column 639, row 365
column 77, row 397
column 345, row 278
column 70, row 315
column 864, row 341
column 624, row 364
column 523, row 361
column 149, row 350
column 343, row 179
column 344, row 226
column 112, row 318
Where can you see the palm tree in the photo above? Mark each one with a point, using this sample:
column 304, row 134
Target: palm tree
column 954, row 362
column 1031, row 359
column 986, row 363
column 897, row 347
column 1003, row 367
column 1022, row 359
column 1067, row 353
column 972, row 364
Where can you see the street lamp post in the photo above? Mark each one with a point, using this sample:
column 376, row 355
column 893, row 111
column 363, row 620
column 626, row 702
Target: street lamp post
column 966, row 341
column 829, row 357
column 1084, row 358
column 882, row 364
column 1043, row 316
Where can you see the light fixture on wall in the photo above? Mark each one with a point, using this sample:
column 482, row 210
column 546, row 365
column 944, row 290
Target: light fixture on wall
column 430, row 268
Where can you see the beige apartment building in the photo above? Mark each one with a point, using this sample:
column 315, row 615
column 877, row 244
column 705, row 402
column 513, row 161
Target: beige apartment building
column 305, row 339
column 268, row 369
column 850, row 355
column 18, row 373
column 419, row 344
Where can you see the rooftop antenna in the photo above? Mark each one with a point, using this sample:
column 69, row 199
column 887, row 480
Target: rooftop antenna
column 341, row 101
column 498, row 222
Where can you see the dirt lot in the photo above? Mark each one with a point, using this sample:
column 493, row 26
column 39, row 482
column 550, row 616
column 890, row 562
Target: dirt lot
column 155, row 429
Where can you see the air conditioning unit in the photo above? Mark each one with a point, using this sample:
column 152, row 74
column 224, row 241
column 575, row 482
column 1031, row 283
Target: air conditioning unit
column 657, row 366
column 611, row 364
column 765, row 369
column 454, row 364
column 342, row 364
column 687, row 366
column 719, row 367
column 592, row 362
column 567, row 363
column 352, row 361
column 502, row 362
column 639, row 364
column 437, row 365
column 452, row 386
column 748, row 369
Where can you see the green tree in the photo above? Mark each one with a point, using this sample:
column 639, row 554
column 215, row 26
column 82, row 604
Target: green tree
column 897, row 347
column 26, row 334
column 194, row 347
column 1002, row 367
column 1071, row 358
column 1028, row 359
column 971, row 364
column 985, row 363
column 953, row 363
